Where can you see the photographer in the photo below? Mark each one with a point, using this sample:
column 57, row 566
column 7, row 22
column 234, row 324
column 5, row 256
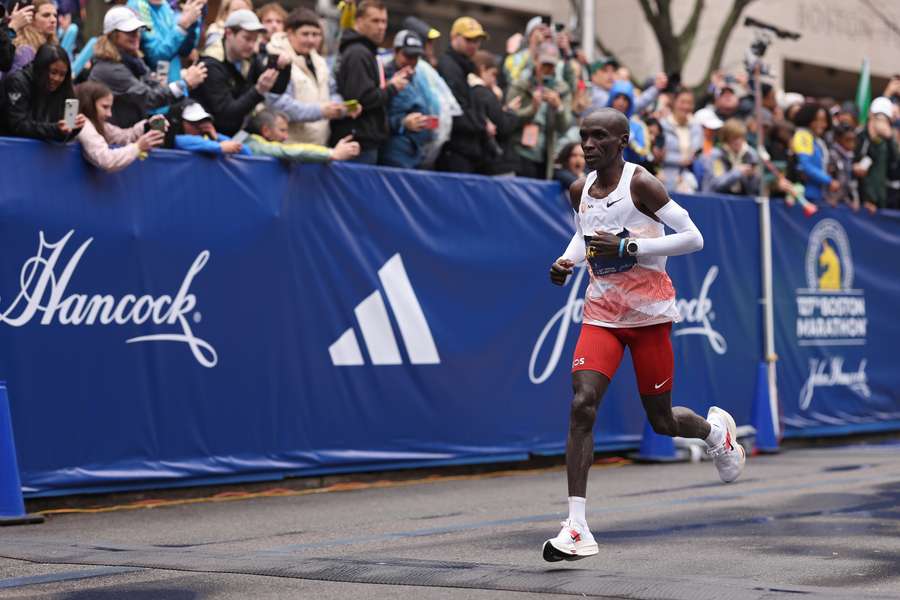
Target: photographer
column 231, row 94
column 33, row 104
column 118, row 65
column 545, row 113
column 98, row 134
column 412, row 113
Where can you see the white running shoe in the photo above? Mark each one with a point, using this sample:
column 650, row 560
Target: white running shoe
column 574, row 542
column 729, row 456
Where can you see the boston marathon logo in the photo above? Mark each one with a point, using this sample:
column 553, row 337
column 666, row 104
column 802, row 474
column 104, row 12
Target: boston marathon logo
column 829, row 311
column 696, row 313
column 43, row 281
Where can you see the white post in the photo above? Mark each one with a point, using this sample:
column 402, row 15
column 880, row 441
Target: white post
column 765, row 239
column 587, row 28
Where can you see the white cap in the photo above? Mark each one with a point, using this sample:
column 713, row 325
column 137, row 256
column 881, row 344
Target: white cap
column 121, row 18
column 707, row 118
column 791, row 98
column 244, row 19
column 194, row 112
column 882, row 106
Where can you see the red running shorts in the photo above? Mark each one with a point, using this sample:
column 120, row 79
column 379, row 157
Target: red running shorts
column 601, row 348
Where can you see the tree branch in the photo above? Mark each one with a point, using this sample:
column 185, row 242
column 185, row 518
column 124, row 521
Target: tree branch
column 689, row 33
column 715, row 59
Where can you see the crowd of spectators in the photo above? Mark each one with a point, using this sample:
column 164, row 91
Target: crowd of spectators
column 258, row 82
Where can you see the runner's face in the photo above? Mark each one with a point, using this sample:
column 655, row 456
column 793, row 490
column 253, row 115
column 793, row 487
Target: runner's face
column 601, row 144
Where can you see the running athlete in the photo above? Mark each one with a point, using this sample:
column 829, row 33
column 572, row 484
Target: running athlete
column 620, row 211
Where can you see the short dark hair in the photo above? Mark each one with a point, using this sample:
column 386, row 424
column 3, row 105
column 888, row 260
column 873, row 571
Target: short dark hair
column 484, row 61
column 566, row 153
column 302, row 16
column 365, row 5
column 807, row 114
column 265, row 118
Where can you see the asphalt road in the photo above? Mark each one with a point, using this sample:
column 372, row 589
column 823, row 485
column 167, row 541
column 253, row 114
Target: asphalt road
column 815, row 523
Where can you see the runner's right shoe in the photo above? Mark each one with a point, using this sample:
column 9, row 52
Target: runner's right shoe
column 729, row 456
column 574, row 542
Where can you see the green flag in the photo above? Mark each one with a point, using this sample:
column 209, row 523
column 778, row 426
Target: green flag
column 864, row 93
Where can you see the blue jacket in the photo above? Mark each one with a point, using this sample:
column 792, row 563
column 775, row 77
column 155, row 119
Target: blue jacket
column 204, row 145
column 812, row 157
column 162, row 39
column 407, row 148
column 638, row 150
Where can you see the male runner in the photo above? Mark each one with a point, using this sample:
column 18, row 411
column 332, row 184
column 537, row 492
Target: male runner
column 630, row 302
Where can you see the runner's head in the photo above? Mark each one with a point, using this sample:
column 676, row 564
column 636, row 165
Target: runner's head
column 604, row 136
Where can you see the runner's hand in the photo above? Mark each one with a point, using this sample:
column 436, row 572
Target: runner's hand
column 559, row 270
column 604, row 244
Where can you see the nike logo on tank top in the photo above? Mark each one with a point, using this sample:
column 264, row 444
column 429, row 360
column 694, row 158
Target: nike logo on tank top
column 630, row 292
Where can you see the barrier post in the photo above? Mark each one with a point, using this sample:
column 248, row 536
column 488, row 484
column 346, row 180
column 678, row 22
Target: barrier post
column 12, row 506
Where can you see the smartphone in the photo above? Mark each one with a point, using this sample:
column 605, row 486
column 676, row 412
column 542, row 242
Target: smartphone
column 240, row 136
column 162, row 71
column 559, row 27
column 433, row 122
column 272, row 62
column 157, row 124
column 351, row 105
column 70, row 112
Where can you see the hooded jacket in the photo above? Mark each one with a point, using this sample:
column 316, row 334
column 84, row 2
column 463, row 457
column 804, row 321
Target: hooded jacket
column 360, row 77
column 638, row 150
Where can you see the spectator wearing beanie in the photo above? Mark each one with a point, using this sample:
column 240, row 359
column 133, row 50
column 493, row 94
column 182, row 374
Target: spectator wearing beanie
column 118, row 65
column 33, row 103
column 361, row 77
column 470, row 128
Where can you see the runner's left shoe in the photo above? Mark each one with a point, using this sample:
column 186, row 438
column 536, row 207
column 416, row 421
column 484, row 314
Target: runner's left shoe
column 574, row 542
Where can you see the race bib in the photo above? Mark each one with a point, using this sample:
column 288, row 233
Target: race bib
column 607, row 265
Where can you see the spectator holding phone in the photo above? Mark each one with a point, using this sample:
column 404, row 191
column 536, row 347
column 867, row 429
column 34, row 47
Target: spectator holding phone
column 413, row 113
column 98, row 134
column 270, row 138
column 876, row 155
column 200, row 135
column 34, row 99
column 361, row 77
column 168, row 37
column 307, row 100
column 732, row 165
column 40, row 30
column 9, row 26
column 496, row 148
column 240, row 81
column 118, row 65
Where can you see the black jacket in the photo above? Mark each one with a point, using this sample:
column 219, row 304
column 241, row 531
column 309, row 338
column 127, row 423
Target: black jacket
column 469, row 128
column 229, row 96
column 500, row 155
column 358, row 77
column 29, row 113
column 7, row 50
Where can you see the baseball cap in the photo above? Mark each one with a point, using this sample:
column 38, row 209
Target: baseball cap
column 408, row 42
column 422, row 29
column 468, row 28
column 194, row 112
column 548, row 54
column 708, row 119
column 121, row 18
column 534, row 23
column 882, row 106
column 244, row 19
column 602, row 62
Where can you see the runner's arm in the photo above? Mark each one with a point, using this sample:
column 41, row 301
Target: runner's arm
column 654, row 200
column 575, row 250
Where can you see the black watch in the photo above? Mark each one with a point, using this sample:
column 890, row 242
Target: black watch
column 631, row 247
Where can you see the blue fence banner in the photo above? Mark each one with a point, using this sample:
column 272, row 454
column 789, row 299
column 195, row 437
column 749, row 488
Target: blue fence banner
column 837, row 282
column 193, row 319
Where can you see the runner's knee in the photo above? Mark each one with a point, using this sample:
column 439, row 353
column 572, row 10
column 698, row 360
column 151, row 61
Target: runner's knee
column 584, row 407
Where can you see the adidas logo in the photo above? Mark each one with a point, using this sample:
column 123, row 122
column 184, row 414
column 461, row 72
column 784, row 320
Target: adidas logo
column 377, row 332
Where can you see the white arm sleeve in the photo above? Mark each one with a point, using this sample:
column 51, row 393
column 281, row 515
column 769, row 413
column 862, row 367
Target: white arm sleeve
column 575, row 249
column 686, row 239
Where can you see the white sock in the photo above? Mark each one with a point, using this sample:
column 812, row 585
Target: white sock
column 576, row 510
column 716, row 434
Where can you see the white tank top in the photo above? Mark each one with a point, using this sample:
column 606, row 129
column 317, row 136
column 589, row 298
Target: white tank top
column 642, row 295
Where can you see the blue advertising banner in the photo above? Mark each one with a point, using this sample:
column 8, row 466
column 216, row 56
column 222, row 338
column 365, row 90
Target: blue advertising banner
column 194, row 319
column 837, row 283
